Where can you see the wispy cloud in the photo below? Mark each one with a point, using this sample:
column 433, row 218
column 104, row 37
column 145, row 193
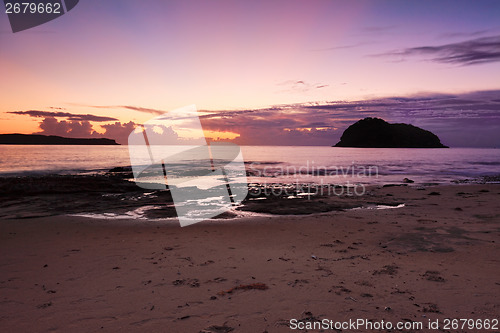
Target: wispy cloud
column 66, row 115
column 129, row 107
column 344, row 47
column 300, row 86
column 470, row 34
column 471, row 52
column 379, row 28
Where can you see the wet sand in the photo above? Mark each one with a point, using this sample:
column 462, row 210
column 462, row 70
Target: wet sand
column 437, row 257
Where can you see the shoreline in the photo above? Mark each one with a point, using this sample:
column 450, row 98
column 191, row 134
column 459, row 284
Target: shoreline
column 112, row 193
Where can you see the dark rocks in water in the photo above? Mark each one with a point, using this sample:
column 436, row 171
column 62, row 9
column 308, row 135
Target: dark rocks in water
column 38, row 139
column 51, row 195
column 377, row 133
column 64, row 184
column 282, row 206
column 121, row 169
column 393, row 185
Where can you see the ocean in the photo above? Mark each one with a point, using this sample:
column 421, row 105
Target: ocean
column 279, row 164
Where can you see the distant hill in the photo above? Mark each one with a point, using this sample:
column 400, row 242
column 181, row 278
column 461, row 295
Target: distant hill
column 377, row 133
column 37, row 139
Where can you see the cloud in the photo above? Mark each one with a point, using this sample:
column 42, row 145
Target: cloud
column 79, row 125
column 339, row 47
column 470, row 34
column 277, row 126
column 300, row 86
column 129, row 107
column 471, row 52
column 84, row 129
column 67, row 115
column 119, row 131
column 71, row 129
column 344, row 47
column 379, row 29
column 470, row 119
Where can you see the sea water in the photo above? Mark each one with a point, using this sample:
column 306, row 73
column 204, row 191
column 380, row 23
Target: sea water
column 278, row 164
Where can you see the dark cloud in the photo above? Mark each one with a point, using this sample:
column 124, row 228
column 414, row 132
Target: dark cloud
column 471, row 52
column 60, row 114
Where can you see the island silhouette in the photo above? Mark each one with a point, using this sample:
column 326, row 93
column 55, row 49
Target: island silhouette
column 38, row 139
column 377, row 133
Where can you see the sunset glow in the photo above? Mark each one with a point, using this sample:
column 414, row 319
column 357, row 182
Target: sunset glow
column 258, row 72
column 217, row 136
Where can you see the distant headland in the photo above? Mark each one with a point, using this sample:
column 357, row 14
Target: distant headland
column 38, row 139
column 377, row 133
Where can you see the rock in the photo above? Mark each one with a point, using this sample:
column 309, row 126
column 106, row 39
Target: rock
column 408, row 181
column 377, row 133
column 121, row 169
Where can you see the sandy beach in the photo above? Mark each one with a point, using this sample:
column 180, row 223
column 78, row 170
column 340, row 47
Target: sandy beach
column 250, row 166
column 437, row 257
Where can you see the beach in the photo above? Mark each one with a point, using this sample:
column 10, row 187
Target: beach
column 434, row 258
column 250, row 166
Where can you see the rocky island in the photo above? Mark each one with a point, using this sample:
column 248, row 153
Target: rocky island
column 377, row 133
column 38, row 139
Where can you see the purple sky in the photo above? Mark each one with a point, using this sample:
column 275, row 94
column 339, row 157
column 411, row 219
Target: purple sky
column 281, row 72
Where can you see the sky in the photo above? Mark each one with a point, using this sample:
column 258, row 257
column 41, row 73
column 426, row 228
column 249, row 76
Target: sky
column 259, row 72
